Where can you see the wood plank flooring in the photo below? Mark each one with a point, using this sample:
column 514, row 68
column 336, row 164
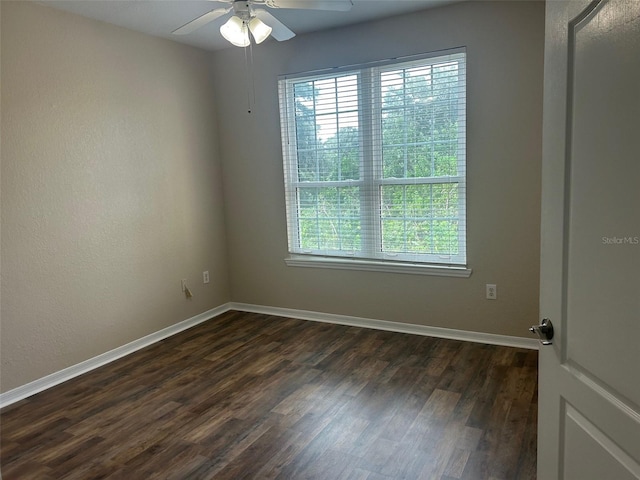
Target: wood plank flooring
column 248, row 396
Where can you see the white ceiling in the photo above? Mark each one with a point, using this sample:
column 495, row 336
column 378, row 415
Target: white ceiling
column 161, row 17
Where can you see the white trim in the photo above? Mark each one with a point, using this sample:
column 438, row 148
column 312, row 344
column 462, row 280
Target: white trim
column 73, row 371
column 377, row 266
column 439, row 332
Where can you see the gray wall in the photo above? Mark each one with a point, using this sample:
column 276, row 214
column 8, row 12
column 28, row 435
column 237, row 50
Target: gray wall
column 111, row 189
column 504, row 43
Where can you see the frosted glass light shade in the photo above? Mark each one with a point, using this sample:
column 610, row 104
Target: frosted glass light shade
column 236, row 32
column 259, row 29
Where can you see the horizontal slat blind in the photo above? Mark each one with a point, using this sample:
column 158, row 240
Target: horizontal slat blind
column 374, row 160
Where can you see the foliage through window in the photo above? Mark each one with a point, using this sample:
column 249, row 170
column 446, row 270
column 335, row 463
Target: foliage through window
column 374, row 160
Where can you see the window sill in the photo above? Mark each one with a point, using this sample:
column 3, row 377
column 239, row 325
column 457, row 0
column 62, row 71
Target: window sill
column 378, row 266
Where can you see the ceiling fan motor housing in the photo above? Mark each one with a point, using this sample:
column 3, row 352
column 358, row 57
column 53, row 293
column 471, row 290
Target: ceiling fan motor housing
column 242, row 9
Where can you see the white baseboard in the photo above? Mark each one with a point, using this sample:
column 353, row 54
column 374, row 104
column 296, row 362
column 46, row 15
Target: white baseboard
column 73, row 371
column 449, row 333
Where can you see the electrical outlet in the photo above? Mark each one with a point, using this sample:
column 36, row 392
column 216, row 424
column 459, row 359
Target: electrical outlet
column 492, row 291
column 205, row 276
column 184, row 284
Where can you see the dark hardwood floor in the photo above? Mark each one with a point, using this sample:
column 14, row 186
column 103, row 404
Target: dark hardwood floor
column 247, row 396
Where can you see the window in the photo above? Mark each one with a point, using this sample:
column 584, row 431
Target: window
column 374, row 162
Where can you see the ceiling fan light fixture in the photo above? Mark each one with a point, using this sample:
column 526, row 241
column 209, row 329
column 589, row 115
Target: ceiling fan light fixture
column 259, row 29
column 236, row 32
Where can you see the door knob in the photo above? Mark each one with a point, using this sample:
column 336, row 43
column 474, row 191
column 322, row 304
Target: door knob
column 544, row 331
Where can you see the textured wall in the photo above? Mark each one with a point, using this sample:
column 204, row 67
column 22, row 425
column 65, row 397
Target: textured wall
column 111, row 189
column 504, row 43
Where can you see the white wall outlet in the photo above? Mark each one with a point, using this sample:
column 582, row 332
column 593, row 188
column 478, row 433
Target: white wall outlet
column 205, row 276
column 184, row 284
column 492, row 291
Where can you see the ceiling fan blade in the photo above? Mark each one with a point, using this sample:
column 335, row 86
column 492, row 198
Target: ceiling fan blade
column 279, row 31
column 332, row 5
column 201, row 21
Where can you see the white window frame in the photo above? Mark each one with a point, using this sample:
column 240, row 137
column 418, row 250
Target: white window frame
column 371, row 179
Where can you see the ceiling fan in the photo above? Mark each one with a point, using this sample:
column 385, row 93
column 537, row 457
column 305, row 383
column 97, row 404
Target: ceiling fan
column 259, row 22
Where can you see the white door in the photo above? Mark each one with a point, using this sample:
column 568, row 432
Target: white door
column 589, row 399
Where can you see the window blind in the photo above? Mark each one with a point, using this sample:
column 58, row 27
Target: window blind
column 375, row 159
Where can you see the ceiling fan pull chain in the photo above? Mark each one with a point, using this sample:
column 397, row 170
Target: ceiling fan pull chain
column 251, row 84
column 253, row 76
